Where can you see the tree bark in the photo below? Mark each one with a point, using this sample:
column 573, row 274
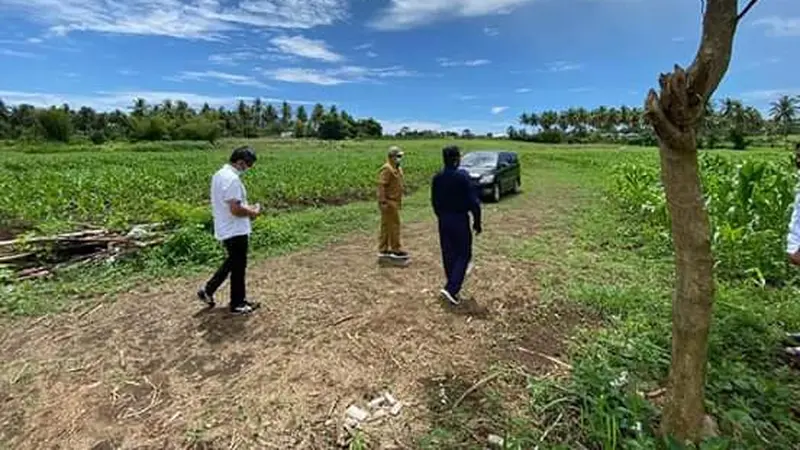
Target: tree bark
column 693, row 296
column 674, row 113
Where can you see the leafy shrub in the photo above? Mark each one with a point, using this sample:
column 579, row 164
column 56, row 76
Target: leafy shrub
column 98, row 137
column 148, row 128
column 198, row 129
column 56, row 125
column 549, row 137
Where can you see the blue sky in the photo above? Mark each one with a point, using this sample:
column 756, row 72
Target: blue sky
column 439, row 64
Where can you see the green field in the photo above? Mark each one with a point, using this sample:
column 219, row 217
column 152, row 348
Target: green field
column 54, row 192
column 601, row 242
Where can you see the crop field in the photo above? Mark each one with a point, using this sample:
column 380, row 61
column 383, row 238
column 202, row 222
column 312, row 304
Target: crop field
column 563, row 341
column 56, row 191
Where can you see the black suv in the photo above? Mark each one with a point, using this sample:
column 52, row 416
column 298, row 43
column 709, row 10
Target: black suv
column 493, row 172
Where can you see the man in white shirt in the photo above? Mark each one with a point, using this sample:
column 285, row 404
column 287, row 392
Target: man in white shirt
column 793, row 247
column 232, row 227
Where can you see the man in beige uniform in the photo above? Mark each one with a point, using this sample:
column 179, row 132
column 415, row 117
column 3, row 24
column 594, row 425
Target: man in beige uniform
column 390, row 198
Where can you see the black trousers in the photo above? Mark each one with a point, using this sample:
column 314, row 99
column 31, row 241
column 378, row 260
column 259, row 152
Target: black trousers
column 455, row 239
column 235, row 265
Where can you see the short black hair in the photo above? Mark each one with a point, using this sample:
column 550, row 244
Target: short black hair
column 244, row 153
column 450, row 154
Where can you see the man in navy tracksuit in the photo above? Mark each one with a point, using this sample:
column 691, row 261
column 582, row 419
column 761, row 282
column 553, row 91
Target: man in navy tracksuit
column 453, row 197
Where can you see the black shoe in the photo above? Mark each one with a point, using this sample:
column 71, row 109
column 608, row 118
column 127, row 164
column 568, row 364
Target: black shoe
column 245, row 308
column 206, row 298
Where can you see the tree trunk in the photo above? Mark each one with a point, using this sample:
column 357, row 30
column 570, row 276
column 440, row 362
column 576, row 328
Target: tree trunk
column 675, row 113
column 694, row 291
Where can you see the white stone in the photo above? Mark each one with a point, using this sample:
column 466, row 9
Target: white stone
column 495, row 440
column 396, row 408
column 356, row 413
column 390, row 398
column 377, row 402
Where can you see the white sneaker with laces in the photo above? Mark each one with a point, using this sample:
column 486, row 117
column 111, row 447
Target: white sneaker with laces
column 449, row 297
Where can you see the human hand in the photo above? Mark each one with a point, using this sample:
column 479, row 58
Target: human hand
column 256, row 209
column 794, row 258
column 477, row 228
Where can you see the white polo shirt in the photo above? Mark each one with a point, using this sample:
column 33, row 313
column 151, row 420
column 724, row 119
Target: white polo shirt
column 793, row 238
column 226, row 186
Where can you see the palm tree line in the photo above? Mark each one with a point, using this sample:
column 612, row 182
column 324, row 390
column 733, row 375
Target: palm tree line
column 727, row 120
column 175, row 119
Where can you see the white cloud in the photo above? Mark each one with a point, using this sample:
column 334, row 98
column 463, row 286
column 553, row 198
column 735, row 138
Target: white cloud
column 235, row 57
column 17, row 54
column 491, row 31
column 779, row 26
column 306, row 48
column 769, row 95
column 562, row 66
column 364, row 46
column 576, row 90
column 498, row 109
column 522, row 90
column 108, row 101
column 228, row 78
column 34, row 40
column 371, row 55
column 307, row 76
column 392, row 126
column 678, row 39
column 466, row 98
column 127, row 72
column 447, row 62
column 190, row 19
column 340, row 75
column 404, row 14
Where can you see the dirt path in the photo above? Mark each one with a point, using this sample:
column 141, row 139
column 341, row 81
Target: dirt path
column 153, row 370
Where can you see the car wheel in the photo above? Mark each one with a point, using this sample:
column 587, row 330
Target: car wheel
column 496, row 192
column 517, row 186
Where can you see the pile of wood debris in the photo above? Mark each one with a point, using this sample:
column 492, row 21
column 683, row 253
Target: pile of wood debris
column 41, row 256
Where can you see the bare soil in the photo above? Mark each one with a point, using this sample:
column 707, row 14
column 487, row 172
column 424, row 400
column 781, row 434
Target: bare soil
column 155, row 369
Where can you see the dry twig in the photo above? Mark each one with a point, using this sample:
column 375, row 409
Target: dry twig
column 474, row 387
column 547, row 357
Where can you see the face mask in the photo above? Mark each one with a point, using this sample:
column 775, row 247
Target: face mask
column 398, row 162
column 241, row 171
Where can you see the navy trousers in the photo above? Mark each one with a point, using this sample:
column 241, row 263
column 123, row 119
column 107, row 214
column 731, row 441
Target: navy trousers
column 455, row 239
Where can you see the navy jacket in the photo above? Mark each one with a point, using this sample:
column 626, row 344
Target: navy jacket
column 452, row 192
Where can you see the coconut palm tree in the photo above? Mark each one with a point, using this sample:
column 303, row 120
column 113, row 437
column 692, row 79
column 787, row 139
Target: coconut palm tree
column 548, row 120
column 783, row 113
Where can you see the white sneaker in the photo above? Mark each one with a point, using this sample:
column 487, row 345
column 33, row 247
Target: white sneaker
column 450, row 297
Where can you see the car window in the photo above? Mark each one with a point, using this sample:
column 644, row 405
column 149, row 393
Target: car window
column 505, row 158
column 479, row 159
